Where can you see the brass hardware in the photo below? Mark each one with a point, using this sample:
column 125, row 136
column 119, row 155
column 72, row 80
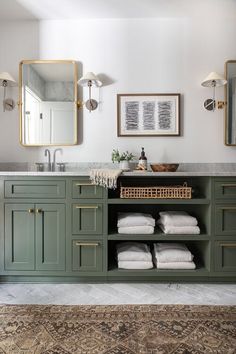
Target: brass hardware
column 92, row 244
column 86, row 207
column 80, row 104
column 83, row 184
column 232, row 245
column 221, row 104
column 38, row 211
column 31, row 211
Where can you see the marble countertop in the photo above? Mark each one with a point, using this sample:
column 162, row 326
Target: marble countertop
column 82, row 169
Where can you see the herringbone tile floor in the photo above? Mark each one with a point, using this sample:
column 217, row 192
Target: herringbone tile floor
column 97, row 294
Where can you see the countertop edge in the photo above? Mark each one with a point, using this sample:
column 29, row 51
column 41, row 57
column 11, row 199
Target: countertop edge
column 126, row 174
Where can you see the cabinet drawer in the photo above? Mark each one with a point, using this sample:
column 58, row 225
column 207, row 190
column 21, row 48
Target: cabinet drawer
column 225, row 256
column 225, row 220
column 87, row 255
column 87, row 218
column 225, row 189
column 35, row 189
column 82, row 188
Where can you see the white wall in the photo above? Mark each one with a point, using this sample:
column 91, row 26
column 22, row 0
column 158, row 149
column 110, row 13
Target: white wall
column 139, row 56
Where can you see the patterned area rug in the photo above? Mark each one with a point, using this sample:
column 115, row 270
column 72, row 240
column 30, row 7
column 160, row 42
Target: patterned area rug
column 126, row 329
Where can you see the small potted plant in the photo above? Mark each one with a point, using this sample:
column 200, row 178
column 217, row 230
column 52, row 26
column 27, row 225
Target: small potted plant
column 122, row 158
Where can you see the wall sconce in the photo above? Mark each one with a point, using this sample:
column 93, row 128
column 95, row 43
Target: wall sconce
column 89, row 80
column 7, row 80
column 213, row 80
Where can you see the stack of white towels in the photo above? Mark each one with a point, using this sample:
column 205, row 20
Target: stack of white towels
column 135, row 223
column 172, row 256
column 178, row 222
column 134, row 255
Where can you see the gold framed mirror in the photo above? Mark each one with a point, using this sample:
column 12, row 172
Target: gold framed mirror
column 48, row 102
column 230, row 99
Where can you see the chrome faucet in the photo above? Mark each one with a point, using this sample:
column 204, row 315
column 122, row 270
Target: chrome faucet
column 47, row 152
column 54, row 158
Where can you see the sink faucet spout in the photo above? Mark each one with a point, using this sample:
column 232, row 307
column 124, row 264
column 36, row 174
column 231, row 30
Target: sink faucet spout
column 54, row 158
column 48, row 153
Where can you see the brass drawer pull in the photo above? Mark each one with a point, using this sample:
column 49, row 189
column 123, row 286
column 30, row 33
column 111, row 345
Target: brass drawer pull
column 86, row 207
column 83, row 184
column 90, row 244
column 38, row 211
column 232, row 245
column 31, row 211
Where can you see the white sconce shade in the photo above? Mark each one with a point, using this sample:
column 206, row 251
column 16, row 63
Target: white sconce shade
column 89, row 80
column 89, row 77
column 214, row 80
column 6, row 77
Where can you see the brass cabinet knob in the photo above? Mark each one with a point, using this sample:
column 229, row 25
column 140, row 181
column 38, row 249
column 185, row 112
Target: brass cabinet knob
column 31, row 211
column 38, row 211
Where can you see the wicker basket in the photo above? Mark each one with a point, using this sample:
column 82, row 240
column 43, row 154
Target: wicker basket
column 158, row 192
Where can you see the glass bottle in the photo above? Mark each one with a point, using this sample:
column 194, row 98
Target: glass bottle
column 143, row 160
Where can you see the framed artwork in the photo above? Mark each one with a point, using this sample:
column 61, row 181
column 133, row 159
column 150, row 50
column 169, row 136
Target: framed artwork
column 148, row 114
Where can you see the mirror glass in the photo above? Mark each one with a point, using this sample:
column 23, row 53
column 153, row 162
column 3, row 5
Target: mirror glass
column 48, row 97
column 230, row 108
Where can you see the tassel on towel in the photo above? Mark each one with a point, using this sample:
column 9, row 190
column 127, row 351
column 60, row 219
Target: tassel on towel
column 105, row 177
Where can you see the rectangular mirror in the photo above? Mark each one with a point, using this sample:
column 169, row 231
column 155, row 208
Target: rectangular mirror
column 48, row 102
column 230, row 98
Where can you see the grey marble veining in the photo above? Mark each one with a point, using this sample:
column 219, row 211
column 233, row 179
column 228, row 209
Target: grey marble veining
column 83, row 168
column 118, row 293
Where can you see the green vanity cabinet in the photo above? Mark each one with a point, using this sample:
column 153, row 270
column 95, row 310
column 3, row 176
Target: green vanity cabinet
column 35, row 237
column 87, row 255
column 63, row 228
column 87, row 218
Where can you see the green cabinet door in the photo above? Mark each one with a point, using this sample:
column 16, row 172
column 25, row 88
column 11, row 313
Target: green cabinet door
column 225, row 220
column 87, row 255
column 87, row 219
column 19, row 237
column 50, row 236
column 225, row 256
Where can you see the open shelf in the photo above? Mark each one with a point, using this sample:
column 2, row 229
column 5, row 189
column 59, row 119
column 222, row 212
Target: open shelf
column 199, row 248
column 157, row 236
column 201, row 201
column 114, row 271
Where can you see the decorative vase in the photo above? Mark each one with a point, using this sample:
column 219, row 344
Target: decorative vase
column 124, row 165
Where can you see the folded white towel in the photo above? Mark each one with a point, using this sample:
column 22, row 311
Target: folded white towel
column 172, row 252
column 133, row 251
column 135, row 219
column 175, row 265
column 136, row 230
column 177, row 218
column 185, row 230
column 135, row 265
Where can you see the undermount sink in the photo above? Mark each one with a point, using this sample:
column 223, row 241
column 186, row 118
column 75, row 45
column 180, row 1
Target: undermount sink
column 48, row 167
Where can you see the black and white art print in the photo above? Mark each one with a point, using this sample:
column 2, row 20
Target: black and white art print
column 148, row 114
